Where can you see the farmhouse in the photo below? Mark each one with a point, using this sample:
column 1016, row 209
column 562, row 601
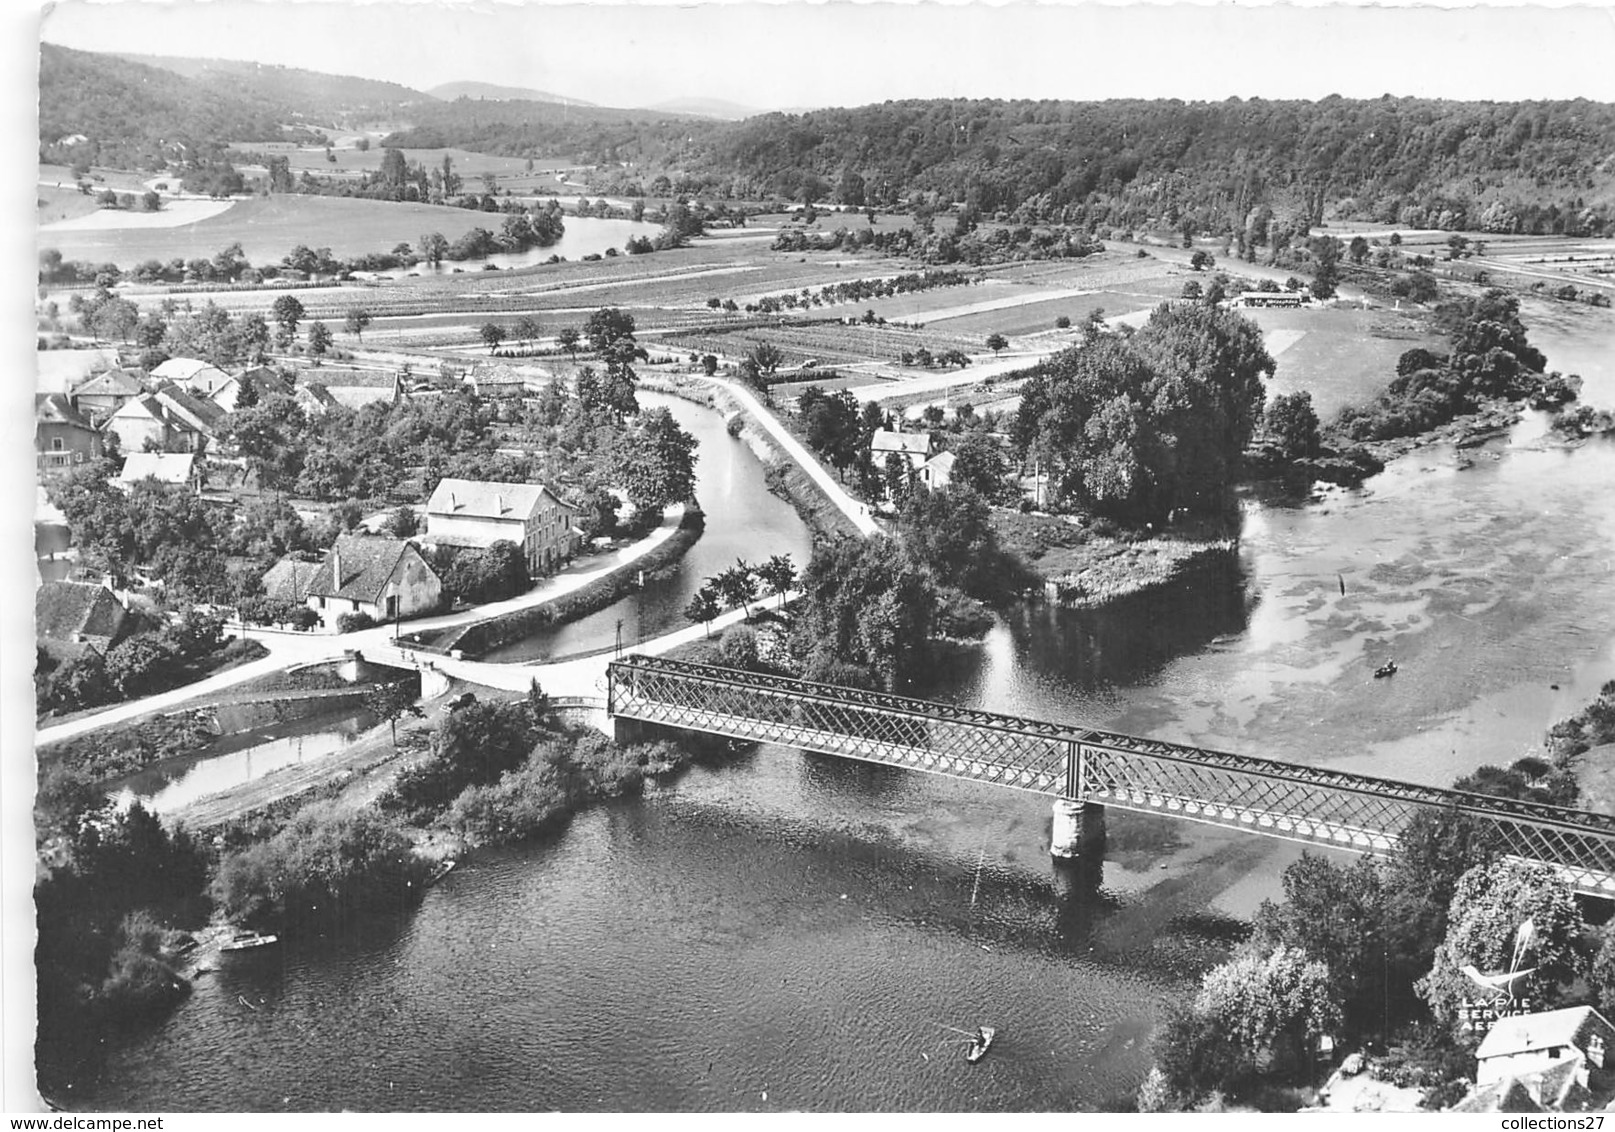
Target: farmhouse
column 314, row 398
column 492, row 380
column 291, row 579
column 1528, row 1043
column 382, row 578
column 478, row 513
column 62, row 436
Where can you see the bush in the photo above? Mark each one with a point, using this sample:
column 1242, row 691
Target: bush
column 354, row 622
column 738, row 648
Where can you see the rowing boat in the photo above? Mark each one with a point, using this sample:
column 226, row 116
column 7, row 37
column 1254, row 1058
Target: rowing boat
column 980, row 1044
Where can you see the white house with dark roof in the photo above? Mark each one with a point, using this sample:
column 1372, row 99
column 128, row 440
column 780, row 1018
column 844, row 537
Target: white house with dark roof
column 914, row 447
column 383, row 578
column 479, row 513
column 1527, row 1043
column 937, row 472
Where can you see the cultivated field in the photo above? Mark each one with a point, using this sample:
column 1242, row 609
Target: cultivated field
column 1342, row 355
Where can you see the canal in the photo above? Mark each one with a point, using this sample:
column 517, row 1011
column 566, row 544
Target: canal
column 791, row 931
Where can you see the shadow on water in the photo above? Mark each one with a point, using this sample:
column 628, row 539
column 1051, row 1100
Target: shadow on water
column 1129, row 641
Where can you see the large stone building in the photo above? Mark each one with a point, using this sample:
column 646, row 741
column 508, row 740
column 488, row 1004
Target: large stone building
column 478, row 513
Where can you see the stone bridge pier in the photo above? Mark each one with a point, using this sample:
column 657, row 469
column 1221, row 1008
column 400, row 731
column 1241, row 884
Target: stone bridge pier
column 1078, row 829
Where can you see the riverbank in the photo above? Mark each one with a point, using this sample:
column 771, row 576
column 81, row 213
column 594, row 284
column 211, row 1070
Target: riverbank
column 482, row 637
column 785, row 477
column 1083, row 567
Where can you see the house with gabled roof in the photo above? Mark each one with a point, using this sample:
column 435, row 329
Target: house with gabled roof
column 147, row 420
column 174, row 469
column 198, row 412
column 384, row 578
column 102, row 394
column 314, row 398
column 490, row 379
column 291, row 579
column 262, row 380
column 937, row 472
column 479, row 513
column 914, row 447
column 1521, row 1044
column 63, row 437
column 194, row 375
column 76, row 614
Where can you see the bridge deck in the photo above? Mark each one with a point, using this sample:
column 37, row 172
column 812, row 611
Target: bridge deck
column 1299, row 803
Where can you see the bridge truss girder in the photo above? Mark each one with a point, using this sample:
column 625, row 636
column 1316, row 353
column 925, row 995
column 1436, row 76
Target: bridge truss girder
column 1299, row 803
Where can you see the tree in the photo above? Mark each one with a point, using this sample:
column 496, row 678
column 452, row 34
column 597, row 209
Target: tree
column 433, row 246
column 287, row 312
column 1063, row 322
column 319, row 339
column 1358, row 250
column 866, row 604
column 766, row 357
column 779, row 574
column 568, row 339
column 1483, row 924
column 654, row 461
column 709, row 364
column 389, row 702
column 704, row 606
column 1201, row 259
column 738, row 585
column 403, row 522
column 492, row 334
column 1192, row 290
column 1271, row 1008
column 996, row 342
column 1293, row 425
column 357, row 319
column 254, row 337
column 527, row 329
column 979, row 465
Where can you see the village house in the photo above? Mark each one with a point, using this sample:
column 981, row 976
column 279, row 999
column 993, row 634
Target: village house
column 193, row 375
column 103, row 394
column 291, row 579
column 385, row 579
column 914, row 447
column 72, row 616
column 262, row 380
column 937, row 472
column 477, row 513
column 494, row 380
column 63, row 438
column 314, row 398
column 1522, row 1044
column 174, row 469
column 147, row 420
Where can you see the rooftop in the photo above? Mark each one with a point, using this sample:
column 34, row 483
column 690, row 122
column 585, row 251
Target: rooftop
column 167, row 467
column 483, row 499
column 1524, row 1033
column 367, row 562
column 64, row 611
column 884, row 440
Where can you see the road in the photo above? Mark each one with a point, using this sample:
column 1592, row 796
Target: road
column 290, row 649
column 855, row 511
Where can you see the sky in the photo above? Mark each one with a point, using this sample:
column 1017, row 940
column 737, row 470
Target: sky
column 799, row 54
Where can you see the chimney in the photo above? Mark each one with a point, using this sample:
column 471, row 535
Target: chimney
column 452, row 504
column 499, row 502
column 336, row 566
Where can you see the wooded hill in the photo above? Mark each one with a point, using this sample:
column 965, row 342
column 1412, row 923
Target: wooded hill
column 135, row 113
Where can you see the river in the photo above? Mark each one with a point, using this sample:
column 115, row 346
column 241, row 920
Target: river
column 792, row 931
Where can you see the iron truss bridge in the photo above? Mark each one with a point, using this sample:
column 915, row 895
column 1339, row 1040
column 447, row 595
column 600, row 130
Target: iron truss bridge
column 1284, row 800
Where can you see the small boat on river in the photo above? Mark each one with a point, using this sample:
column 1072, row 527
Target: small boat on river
column 1384, row 670
column 247, row 941
column 980, row 1044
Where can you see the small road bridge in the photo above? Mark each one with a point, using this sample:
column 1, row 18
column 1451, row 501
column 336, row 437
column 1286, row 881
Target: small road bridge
column 1085, row 770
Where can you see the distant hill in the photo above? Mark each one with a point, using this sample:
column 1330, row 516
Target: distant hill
column 448, row 92
column 707, row 108
column 312, row 94
column 132, row 114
